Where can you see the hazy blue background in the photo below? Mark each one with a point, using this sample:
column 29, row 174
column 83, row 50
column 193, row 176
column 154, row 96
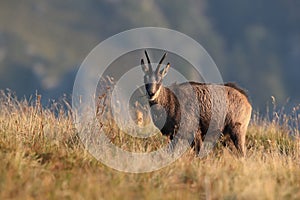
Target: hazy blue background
column 255, row 43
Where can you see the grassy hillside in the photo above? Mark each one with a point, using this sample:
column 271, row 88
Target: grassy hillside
column 41, row 157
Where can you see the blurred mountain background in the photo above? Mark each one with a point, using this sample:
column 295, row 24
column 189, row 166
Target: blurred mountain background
column 255, row 43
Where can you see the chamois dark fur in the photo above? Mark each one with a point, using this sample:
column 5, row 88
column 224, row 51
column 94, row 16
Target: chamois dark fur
column 196, row 108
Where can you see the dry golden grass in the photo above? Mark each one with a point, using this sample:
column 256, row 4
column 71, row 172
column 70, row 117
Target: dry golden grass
column 42, row 158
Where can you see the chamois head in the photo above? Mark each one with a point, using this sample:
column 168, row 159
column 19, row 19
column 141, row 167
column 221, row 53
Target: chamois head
column 153, row 79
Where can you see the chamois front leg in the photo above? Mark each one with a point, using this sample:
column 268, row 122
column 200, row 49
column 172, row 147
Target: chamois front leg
column 172, row 143
column 176, row 142
column 185, row 140
column 210, row 139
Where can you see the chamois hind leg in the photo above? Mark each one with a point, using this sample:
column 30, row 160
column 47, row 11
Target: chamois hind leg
column 197, row 142
column 238, row 136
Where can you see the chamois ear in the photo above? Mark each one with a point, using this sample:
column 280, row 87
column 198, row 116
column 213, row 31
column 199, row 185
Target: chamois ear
column 144, row 67
column 165, row 70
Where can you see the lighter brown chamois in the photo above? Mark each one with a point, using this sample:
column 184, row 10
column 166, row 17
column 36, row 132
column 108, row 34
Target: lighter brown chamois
column 191, row 103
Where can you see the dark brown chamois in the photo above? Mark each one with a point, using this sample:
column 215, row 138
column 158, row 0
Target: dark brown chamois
column 196, row 108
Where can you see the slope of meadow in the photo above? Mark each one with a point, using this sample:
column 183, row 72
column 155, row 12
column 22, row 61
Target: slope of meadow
column 41, row 157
